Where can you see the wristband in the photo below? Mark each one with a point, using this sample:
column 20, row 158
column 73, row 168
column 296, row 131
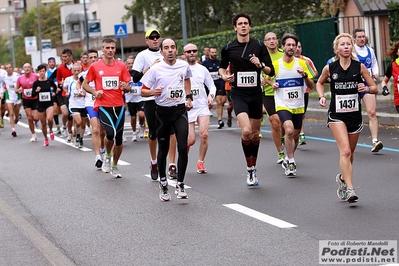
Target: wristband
column 189, row 96
column 321, row 97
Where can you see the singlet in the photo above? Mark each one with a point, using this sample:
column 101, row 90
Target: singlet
column 267, row 89
column 46, row 88
column 89, row 98
column 246, row 74
column 10, row 83
column 171, row 77
column 76, row 100
column 345, row 99
column 290, row 95
column 107, row 78
column 26, row 82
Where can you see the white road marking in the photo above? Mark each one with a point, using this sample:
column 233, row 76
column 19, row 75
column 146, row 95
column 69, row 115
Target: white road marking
column 63, row 141
column 260, row 216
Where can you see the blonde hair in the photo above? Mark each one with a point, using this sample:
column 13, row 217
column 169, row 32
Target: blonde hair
column 343, row 35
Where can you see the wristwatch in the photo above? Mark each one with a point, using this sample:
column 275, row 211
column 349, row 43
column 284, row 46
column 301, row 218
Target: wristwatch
column 305, row 76
column 263, row 65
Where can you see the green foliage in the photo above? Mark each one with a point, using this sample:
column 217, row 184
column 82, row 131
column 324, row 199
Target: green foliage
column 50, row 27
column 220, row 39
column 393, row 21
column 4, row 50
column 76, row 53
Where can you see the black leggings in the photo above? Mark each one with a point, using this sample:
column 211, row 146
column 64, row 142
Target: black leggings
column 113, row 119
column 169, row 118
column 149, row 112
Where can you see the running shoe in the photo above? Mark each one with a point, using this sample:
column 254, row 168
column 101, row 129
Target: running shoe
column 351, row 196
column 16, row 120
column 341, row 191
column 262, row 121
column 58, row 132
column 146, row 132
column 229, row 123
column 260, row 135
column 302, row 139
column 377, row 146
column 33, row 138
column 81, row 143
column 134, row 138
column 141, row 132
column 180, row 191
column 106, row 167
column 284, row 164
column 123, row 137
column 45, row 142
column 64, row 132
column 51, row 135
column 99, row 162
column 201, row 168
column 36, row 125
column 220, row 124
column 281, row 157
column 69, row 139
column 282, row 141
column 164, row 192
column 20, row 116
column 115, row 172
column 14, row 133
column 252, row 179
column 291, row 170
column 172, row 172
column 77, row 141
column 154, row 171
column 1, row 123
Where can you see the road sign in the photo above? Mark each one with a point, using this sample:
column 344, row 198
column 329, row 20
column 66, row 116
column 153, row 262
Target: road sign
column 120, row 30
column 30, row 44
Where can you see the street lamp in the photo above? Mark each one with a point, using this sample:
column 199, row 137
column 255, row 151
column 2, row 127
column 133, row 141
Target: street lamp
column 9, row 13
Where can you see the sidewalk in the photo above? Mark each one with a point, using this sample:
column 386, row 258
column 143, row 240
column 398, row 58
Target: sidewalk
column 386, row 111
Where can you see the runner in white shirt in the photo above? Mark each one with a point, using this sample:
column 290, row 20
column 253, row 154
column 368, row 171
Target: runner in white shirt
column 76, row 103
column 2, row 100
column 12, row 97
column 201, row 103
column 169, row 82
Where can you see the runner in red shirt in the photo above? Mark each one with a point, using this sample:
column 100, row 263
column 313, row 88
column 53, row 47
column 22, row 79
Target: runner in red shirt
column 111, row 78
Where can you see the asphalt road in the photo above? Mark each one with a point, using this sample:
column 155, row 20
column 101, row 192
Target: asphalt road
column 56, row 209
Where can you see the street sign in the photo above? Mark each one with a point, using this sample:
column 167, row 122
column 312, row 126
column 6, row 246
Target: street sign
column 120, row 30
column 46, row 45
column 30, row 44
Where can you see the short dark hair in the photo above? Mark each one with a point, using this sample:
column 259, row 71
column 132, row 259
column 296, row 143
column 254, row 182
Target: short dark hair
column 83, row 53
column 240, row 15
column 41, row 66
column 356, row 31
column 92, row 51
column 287, row 36
column 67, row 51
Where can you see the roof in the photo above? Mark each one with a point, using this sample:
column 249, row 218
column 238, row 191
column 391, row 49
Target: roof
column 373, row 7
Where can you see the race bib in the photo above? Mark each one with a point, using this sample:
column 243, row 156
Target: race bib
column 28, row 92
column 346, row 103
column 247, row 79
column 110, row 83
column 195, row 91
column 214, row 75
column 11, row 87
column 175, row 93
column 292, row 95
column 135, row 90
column 44, row 97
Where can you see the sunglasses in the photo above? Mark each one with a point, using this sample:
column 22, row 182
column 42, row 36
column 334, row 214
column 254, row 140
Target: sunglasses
column 155, row 37
column 191, row 51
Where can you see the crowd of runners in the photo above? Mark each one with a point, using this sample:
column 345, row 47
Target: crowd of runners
column 167, row 96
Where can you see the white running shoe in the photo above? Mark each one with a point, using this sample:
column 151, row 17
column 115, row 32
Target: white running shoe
column 134, row 138
column 252, row 179
column 106, row 167
column 115, row 172
column 180, row 191
column 33, row 138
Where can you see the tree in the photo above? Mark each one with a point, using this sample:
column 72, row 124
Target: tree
column 209, row 16
column 4, row 50
column 50, row 26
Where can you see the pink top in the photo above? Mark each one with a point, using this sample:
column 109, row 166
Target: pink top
column 26, row 82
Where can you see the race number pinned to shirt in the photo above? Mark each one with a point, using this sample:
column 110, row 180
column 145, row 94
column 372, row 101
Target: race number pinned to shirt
column 44, row 97
column 11, row 86
column 247, row 79
column 195, row 91
column 292, row 95
column 175, row 93
column 28, row 92
column 110, row 83
column 346, row 103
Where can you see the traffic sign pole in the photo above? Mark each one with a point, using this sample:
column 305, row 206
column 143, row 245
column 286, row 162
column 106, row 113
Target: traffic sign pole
column 123, row 56
column 121, row 32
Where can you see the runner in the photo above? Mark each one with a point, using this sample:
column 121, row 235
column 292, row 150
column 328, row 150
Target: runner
column 247, row 58
column 45, row 89
column 169, row 82
column 110, row 77
column 12, row 97
column 201, row 103
column 24, row 86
